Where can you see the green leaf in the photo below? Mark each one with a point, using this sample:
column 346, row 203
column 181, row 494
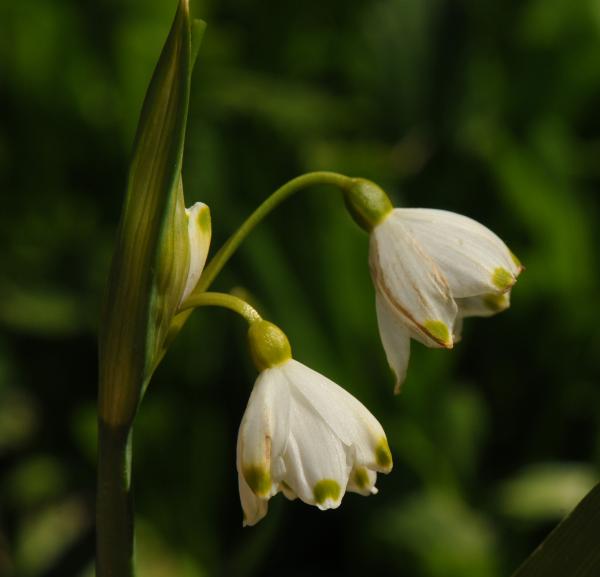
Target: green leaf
column 151, row 257
column 443, row 534
column 572, row 548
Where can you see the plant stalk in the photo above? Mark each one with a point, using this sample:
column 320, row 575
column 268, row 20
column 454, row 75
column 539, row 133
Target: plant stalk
column 226, row 251
column 114, row 504
column 222, row 300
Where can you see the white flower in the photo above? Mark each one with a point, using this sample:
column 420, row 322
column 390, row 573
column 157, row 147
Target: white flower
column 307, row 437
column 432, row 268
column 198, row 237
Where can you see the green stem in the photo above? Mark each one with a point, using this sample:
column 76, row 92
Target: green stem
column 223, row 300
column 114, row 507
column 226, row 251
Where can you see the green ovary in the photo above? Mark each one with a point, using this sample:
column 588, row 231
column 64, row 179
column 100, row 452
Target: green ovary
column 268, row 345
column 439, row 331
column 258, row 479
column 368, row 204
column 326, row 489
column 502, row 278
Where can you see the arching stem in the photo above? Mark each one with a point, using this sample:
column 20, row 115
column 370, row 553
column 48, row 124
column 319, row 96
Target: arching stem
column 231, row 302
column 226, row 251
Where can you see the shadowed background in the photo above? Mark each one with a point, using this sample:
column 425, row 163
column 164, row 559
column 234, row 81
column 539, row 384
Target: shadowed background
column 490, row 109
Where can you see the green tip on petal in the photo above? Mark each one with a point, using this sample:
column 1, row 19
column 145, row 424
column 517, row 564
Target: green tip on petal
column 361, row 478
column 258, row 479
column 383, row 455
column 326, row 489
column 502, row 278
column 496, row 302
column 516, row 260
column 438, row 330
column 203, row 220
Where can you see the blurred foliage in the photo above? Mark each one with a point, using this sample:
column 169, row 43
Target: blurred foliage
column 572, row 547
column 490, row 109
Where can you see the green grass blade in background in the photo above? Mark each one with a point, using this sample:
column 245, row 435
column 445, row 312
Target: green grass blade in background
column 573, row 548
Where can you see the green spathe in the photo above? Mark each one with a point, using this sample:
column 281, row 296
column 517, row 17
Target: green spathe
column 151, row 259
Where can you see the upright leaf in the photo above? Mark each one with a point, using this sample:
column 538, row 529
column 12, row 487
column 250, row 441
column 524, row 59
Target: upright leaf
column 150, row 261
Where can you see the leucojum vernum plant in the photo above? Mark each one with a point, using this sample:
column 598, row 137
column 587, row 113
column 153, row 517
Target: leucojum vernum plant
column 301, row 434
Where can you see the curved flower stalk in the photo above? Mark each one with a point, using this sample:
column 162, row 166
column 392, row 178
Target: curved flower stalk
column 302, row 434
column 432, row 268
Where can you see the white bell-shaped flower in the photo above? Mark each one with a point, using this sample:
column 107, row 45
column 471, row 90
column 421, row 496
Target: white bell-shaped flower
column 305, row 436
column 199, row 233
column 431, row 268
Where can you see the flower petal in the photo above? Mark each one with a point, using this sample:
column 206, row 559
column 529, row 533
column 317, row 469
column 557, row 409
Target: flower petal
column 344, row 415
column 405, row 274
column 287, row 491
column 316, row 460
column 472, row 258
column 199, row 233
column 254, row 507
column 362, row 481
column 483, row 306
column 263, row 433
column 395, row 338
column 458, row 328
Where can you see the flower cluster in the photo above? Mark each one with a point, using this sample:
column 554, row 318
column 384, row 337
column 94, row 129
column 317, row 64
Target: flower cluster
column 302, row 434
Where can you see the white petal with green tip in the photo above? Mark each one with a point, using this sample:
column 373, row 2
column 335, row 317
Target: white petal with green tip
column 395, row 338
column 306, row 437
column 408, row 277
column 199, row 234
column 471, row 257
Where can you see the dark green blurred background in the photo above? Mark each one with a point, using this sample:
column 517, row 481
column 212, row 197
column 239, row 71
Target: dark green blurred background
column 488, row 108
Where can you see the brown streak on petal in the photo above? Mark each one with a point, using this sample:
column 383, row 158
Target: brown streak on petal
column 268, row 451
column 380, row 284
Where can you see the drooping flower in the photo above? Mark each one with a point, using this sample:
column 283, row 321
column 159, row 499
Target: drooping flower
column 199, row 233
column 431, row 268
column 303, row 435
